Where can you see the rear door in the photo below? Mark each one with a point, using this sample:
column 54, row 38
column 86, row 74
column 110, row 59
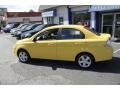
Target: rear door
column 69, row 43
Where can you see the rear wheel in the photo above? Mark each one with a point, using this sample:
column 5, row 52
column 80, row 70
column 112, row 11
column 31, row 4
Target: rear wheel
column 85, row 60
column 23, row 56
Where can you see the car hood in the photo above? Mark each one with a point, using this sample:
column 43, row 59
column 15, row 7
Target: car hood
column 23, row 41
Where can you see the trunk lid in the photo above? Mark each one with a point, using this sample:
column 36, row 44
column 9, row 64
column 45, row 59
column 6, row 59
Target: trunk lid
column 105, row 36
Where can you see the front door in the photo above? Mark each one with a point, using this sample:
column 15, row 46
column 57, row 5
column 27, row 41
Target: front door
column 45, row 45
column 44, row 49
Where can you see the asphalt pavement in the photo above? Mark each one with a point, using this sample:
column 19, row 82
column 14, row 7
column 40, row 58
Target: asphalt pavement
column 42, row 72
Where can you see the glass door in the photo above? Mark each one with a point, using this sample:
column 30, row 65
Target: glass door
column 117, row 26
column 108, row 23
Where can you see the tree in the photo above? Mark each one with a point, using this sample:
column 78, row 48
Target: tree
column 31, row 10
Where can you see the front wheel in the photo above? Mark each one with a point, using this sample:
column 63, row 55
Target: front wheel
column 23, row 56
column 85, row 60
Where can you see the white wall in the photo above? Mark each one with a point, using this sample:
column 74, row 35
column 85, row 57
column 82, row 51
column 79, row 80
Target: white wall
column 1, row 18
column 45, row 20
column 20, row 19
column 93, row 20
column 62, row 11
column 79, row 7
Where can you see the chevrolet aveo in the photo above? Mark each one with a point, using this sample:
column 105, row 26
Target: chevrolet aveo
column 66, row 42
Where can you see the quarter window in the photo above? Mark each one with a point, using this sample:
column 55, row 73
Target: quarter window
column 69, row 33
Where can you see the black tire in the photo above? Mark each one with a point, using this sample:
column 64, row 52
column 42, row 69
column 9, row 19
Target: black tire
column 85, row 60
column 25, row 58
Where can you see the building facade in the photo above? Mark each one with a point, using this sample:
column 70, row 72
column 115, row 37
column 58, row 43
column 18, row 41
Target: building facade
column 23, row 17
column 53, row 14
column 106, row 19
column 2, row 15
column 65, row 14
column 80, row 14
column 101, row 18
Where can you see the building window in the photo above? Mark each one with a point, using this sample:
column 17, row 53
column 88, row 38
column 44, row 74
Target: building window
column 81, row 18
column 61, row 20
column 26, row 20
column 50, row 20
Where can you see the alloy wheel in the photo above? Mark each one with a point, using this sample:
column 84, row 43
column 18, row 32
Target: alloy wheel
column 84, row 61
column 23, row 56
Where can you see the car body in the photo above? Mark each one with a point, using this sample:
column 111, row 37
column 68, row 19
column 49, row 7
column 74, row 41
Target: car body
column 35, row 30
column 14, row 29
column 14, row 33
column 66, row 42
column 29, row 28
column 8, row 27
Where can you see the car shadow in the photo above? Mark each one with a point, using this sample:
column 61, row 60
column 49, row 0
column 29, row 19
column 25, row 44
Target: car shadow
column 117, row 41
column 112, row 66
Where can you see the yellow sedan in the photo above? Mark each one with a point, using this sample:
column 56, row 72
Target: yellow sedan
column 66, row 42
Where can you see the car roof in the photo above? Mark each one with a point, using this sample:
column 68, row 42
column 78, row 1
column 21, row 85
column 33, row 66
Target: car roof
column 65, row 26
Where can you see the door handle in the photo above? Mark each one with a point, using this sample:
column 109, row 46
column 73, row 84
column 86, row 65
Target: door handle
column 50, row 43
column 76, row 43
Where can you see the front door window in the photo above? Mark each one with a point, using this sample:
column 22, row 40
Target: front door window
column 48, row 35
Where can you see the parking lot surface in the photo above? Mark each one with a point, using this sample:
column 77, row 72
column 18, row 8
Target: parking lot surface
column 54, row 72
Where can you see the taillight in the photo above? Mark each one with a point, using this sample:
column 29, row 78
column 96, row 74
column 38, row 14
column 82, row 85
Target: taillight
column 108, row 43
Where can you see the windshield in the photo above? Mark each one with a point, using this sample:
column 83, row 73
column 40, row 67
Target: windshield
column 38, row 27
column 29, row 27
column 32, row 26
column 9, row 26
column 20, row 25
column 24, row 26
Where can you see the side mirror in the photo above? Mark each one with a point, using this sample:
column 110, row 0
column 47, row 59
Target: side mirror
column 34, row 40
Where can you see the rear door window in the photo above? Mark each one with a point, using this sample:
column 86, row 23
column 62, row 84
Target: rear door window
column 69, row 33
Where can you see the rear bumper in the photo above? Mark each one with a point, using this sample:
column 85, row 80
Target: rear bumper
column 105, row 55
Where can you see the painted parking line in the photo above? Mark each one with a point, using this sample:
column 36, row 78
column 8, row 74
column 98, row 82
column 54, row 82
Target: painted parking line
column 115, row 43
column 116, row 51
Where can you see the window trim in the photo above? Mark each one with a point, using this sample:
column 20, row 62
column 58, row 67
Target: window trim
column 48, row 39
column 60, row 34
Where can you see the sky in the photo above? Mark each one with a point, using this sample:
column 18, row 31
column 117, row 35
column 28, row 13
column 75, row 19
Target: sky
column 20, row 5
column 26, row 5
column 20, row 8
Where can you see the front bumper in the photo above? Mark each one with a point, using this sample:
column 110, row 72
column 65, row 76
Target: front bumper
column 15, row 50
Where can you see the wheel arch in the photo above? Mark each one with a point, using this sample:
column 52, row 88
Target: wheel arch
column 85, row 53
column 23, row 50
